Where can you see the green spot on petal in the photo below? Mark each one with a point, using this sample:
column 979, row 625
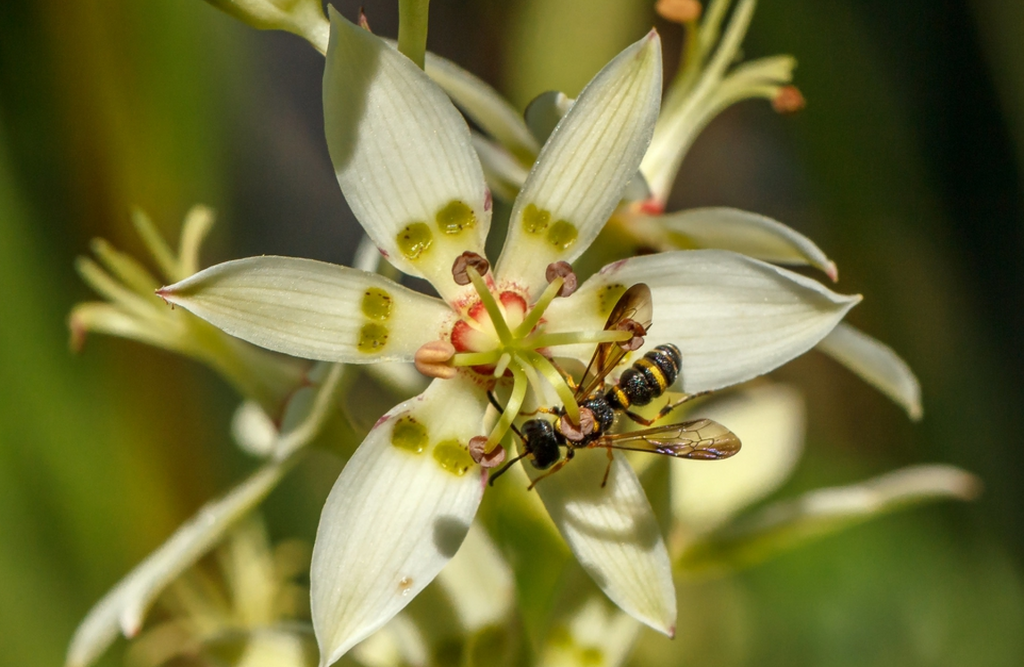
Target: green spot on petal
column 453, row 457
column 377, row 304
column 410, row 435
column 607, row 297
column 562, row 234
column 415, row 239
column 535, row 220
column 372, row 337
column 455, row 217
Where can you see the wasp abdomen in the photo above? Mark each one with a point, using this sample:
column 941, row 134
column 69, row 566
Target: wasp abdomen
column 648, row 378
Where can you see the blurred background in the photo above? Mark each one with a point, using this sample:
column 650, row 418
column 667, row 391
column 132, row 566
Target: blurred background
column 905, row 167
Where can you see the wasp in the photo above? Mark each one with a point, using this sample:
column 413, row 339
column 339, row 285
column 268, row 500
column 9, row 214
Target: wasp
column 639, row 385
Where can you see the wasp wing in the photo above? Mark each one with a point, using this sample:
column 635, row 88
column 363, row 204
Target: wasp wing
column 701, row 439
column 634, row 304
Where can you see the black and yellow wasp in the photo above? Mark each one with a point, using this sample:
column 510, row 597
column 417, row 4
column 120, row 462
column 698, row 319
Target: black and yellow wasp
column 644, row 381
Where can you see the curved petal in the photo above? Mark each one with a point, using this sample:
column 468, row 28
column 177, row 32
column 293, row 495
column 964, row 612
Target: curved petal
column 312, row 309
column 125, row 605
column 544, row 112
column 397, row 514
column 403, row 156
column 613, row 533
column 732, row 317
column 585, row 165
column 479, row 583
column 746, row 233
column 769, row 421
column 877, row 364
column 489, row 110
column 504, row 174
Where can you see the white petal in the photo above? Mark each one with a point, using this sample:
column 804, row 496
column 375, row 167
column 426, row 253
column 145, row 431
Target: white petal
column 312, row 309
column 402, row 155
column 126, row 604
column 585, row 165
column 478, row 582
column 505, row 175
column 769, row 421
column 877, row 364
column 614, row 535
column 788, row 524
column 252, row 430
column 748, row 234
column 397, row 514
column 488, row 109
column 732, row 317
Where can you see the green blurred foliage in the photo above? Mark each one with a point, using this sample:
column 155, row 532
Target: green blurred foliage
column 905, row 167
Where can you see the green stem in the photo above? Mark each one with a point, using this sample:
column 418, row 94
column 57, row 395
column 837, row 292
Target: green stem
column 412, row 29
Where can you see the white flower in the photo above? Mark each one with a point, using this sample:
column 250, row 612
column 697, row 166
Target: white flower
column 405, row 162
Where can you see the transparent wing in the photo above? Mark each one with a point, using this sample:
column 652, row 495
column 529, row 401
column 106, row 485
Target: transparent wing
column 634, row 304
column 701, row 439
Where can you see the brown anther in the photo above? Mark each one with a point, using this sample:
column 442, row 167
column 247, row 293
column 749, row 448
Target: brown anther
column 634, row 328
column 564, row 271
column 577, row 432
column 460, row 269
column 788, row 100
column 678, row 11
column 487, row 459
column 433, row 357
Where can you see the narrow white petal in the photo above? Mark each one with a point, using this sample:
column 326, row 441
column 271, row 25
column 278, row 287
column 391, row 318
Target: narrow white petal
column 746, row 233
column 479, row 582
column 402, row 155
column 788, row 524
column 253, row 430
column 877, row 364
column 485, row 106
column 769, row 421
column 312, row 309
column 125, row 605
column 614, row 535
column 397, row 514
column 585, row 165
column 732, row 317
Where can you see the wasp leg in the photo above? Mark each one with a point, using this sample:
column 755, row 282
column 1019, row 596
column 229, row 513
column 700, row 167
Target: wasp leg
column 669, row 407
column 554, row 469
column 611, row 459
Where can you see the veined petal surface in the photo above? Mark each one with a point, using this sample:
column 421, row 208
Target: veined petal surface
column 614, row 535
column 403, row 156
column 311, row 309
column 877, row 364
column 748, row 234
column 769, row 421
column 732, row 317
column 397, row 514
column 583, row 168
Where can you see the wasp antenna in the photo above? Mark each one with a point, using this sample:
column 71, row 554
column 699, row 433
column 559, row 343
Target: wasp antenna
column 501, row 471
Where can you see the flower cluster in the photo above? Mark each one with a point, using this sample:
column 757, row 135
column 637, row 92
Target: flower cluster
column 495, row 341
